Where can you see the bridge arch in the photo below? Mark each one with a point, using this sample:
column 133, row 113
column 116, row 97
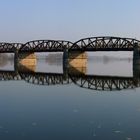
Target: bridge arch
column 46, row 46
column 106, row 43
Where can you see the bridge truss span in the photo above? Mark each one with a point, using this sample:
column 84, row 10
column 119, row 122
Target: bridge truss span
column 105, row 44
column 9, row 47
column 46, row 46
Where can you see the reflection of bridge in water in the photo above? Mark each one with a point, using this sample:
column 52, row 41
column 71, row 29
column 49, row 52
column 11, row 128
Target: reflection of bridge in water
column 93, row 82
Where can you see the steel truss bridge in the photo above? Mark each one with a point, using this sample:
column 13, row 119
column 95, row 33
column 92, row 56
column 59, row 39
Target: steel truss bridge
column 93, row 82
column 105, row 44
column 88, row 44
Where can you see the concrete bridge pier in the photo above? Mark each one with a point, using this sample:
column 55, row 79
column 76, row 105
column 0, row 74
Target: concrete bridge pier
column 27, row 61
column 75, row 62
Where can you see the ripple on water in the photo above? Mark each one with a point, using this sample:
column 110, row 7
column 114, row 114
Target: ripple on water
column 34, row 124
column 117, row 131
column 128, row 138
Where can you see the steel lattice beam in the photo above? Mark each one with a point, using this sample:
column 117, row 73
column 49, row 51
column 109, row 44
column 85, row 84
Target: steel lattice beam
column 9, row 47
column 46, row 46
column 87, row 44
column 105, row 44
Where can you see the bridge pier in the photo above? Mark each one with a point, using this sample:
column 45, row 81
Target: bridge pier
column 16, row 61
column 65, row 61
column 75, row 62
column 136, row 61
column 27, row 61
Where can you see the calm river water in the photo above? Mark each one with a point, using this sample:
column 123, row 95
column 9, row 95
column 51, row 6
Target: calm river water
column 100, row 103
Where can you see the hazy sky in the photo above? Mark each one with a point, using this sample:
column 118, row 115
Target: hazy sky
column 24, row 20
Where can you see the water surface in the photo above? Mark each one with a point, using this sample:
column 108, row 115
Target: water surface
column 64, row 110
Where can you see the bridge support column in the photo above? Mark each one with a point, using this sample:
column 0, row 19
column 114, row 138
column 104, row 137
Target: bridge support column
column 16, row 61
column 136, row 61
column 75, row 62
column 27, row 61
column 65, row 60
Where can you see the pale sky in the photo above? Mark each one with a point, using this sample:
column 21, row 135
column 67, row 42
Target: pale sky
column 25, row 20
